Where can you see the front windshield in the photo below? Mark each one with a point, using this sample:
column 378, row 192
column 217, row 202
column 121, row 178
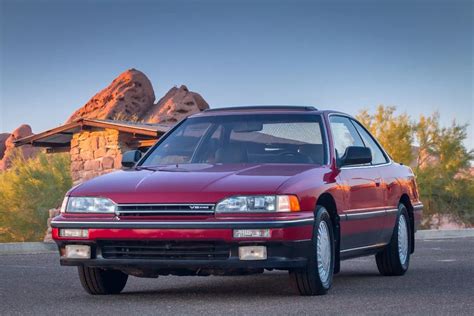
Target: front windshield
column 253, row 139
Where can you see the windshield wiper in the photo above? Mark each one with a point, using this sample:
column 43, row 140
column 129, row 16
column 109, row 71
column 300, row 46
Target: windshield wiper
column 168, row 168
column 145, row 168
column 176, row 169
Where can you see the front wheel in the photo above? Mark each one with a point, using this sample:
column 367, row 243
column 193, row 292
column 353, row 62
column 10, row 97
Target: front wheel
column 395, row 258
column 101, row 282
column 316, row 277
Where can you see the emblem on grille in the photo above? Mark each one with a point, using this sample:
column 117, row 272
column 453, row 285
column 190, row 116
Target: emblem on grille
column 200, row 207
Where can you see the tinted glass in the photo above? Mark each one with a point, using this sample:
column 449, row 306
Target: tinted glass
column 227, row 139
column 378, row 156
column 344, row 134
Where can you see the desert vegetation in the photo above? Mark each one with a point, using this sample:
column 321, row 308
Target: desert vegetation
column 27, row 191
column 437, row 155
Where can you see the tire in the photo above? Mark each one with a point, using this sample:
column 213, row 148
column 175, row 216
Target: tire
column 102, row 282
column 311, row 280
column 395, row 258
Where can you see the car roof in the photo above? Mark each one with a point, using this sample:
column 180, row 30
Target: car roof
column 262, row 109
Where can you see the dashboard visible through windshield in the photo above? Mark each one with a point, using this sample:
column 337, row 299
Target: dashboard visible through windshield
column 252, row 139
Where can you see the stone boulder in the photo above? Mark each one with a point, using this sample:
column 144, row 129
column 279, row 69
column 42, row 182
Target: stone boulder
column 128, row 97
column 3, row 138
column 27, row 150
column 177, row 104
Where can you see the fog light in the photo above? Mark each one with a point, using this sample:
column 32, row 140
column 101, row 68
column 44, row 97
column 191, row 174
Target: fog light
column 253, row 253
column 252, row 233
column 78, row 251
column 74, row 233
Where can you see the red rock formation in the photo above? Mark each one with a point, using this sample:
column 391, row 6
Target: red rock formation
column 27, row 150
column 3, row 138
column 177, row 104
column 128, row 97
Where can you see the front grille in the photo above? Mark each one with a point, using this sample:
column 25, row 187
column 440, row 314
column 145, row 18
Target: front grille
column 165, row 250
column 164, row 209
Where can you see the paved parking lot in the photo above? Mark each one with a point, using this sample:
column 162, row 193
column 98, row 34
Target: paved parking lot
column 440, row 281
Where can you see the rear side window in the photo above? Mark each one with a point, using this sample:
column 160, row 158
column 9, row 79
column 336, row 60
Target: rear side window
column 344, row 134
column 378, row 157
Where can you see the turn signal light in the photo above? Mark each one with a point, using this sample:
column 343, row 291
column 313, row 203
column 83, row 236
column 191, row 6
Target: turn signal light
column 74, row 233
column 288, row 203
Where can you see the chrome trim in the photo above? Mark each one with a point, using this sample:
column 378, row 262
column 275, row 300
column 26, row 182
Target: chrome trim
column 180, row 224
column 169, row 204
column 392, row 210
column 190, row 212
column 367, row 214
column 418, row 207
column 364, row 247
column 155, row 208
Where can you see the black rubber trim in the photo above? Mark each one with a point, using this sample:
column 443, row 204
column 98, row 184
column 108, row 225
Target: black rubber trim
column 263, row 107
column 269, row 263
column 181, row 225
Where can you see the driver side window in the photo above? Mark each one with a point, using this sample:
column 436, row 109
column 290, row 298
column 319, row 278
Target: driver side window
column 344, row 134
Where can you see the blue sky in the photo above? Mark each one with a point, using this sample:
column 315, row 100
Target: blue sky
column 344, row 55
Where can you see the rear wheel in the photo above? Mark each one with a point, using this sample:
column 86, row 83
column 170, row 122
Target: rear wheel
column 101, row 282
column 395, row 258
column 316, row 277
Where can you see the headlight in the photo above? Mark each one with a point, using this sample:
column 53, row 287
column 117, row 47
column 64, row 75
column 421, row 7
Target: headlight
column 259, row 204
column 90, row 205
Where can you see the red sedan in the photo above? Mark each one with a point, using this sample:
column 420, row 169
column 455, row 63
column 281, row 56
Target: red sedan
column 240, row 190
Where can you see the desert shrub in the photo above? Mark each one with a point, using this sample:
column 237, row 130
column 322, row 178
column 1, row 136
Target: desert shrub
column 27, row 191
column 440, row 161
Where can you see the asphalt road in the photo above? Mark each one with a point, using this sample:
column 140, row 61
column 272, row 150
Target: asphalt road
column 440, row 282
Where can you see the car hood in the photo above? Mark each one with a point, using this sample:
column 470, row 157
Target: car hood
column 196, row 183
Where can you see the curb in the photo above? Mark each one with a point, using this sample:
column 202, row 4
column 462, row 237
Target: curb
column 12, row 248
column 444, row 234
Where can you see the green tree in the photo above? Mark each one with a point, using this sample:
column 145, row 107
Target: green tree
column 395, row 133
column 27, row 191
column 441, row 162
column 443, row 169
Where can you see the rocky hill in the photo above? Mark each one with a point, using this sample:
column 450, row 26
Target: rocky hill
column 130, row 97
column 7, row 147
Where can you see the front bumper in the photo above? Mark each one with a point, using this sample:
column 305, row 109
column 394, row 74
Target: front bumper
column 285, row 255
column 287, row 247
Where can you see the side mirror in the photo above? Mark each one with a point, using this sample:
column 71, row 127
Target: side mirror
column 356, row 155
column 130, row 158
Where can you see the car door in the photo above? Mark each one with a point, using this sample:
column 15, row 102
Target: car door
column 389, row 182
column 363, row 197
